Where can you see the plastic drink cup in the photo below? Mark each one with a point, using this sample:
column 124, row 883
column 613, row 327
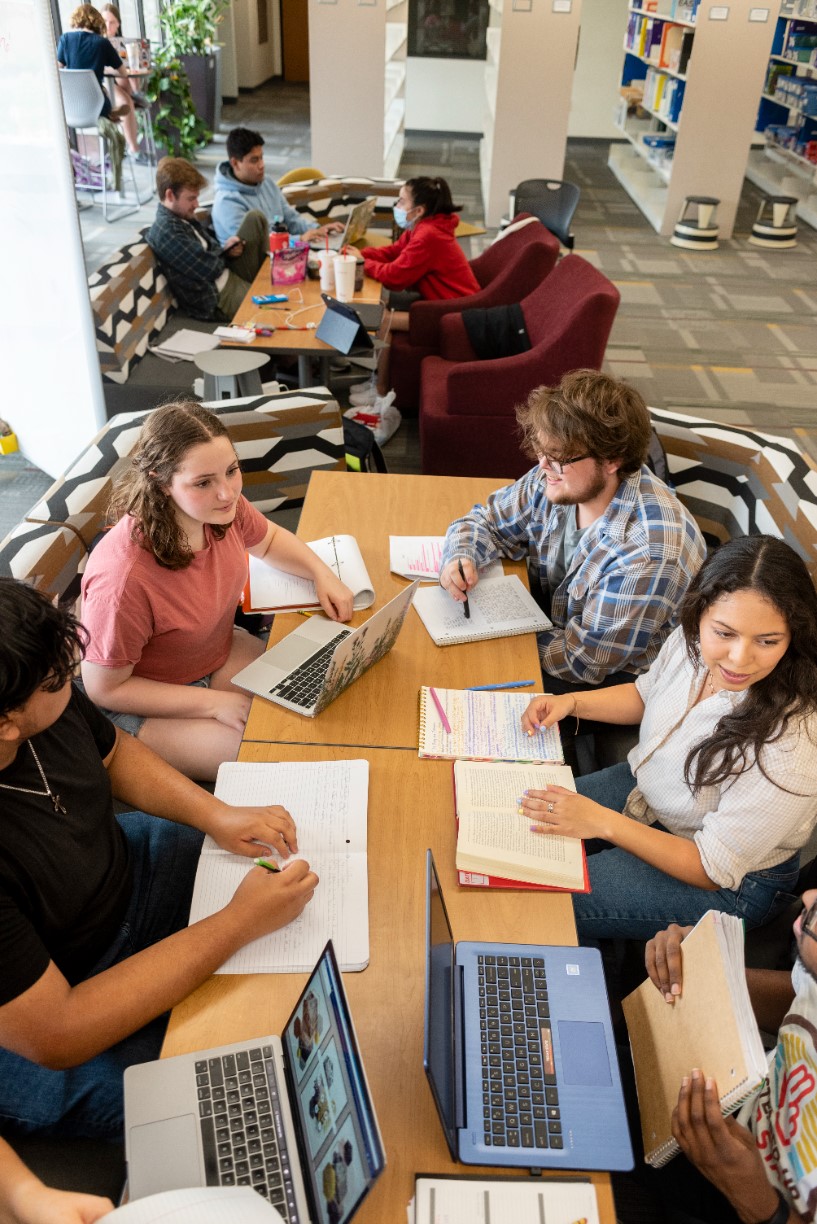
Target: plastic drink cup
column 134, row 53
column 326, row 259
column 345, row 266
column 278, row 241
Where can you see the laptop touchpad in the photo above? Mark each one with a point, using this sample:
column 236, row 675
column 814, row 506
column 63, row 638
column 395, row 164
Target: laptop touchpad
column 167, row 1153
column 584, row 1054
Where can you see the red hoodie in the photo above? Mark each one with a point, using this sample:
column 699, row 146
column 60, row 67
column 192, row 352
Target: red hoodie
column 427, row 258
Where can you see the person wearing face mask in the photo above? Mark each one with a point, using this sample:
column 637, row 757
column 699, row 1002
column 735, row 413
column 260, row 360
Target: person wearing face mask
column 425, row 262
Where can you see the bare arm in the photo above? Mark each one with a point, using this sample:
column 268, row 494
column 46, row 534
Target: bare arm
column 25, row 1200
column 285, row 551
column 116, row 688
column 621, row 704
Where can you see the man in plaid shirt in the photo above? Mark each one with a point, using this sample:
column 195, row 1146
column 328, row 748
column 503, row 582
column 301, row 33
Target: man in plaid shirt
column 610, row 546
column 192, row 259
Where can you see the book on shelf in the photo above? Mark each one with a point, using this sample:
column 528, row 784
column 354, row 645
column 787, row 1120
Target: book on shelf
column 484, row 727
column 495, row 842
column 272, row 590
column 335, row 848
column 499, row 607
column 451, row 1199
column 671, row 41
column 710, row 1025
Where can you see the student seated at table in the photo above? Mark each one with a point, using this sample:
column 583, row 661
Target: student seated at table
column 161, row 589
column 610, row 548
column 126, row 95
column 24, row 1199
column 719, row 795
column 85, row 46
column 94, row 942
column 425, row 262
column 209, row 281
column 757, row 1167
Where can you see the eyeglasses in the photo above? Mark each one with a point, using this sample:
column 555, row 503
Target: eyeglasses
column 808, row 923
column 559, row 465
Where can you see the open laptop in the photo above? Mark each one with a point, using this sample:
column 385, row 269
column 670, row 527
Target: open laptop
column 357, row 222
column 291, row 1116
column 519, row 1051
column 315, row 663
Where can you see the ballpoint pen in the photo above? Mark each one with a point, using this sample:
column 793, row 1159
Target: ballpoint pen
column 508, row 684
column 467, row 608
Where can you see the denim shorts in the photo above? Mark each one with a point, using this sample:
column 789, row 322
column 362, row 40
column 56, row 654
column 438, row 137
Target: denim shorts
column 133, row 723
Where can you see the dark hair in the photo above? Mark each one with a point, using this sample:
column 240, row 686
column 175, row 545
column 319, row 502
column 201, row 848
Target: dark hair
column 774, row 571
column 40, row 645
column 588, row 414
column 167, row 435
column 241, row 141
column 432, row 194
column 176, row 173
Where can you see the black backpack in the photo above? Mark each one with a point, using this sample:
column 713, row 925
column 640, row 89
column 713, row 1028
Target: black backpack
column 362, row 452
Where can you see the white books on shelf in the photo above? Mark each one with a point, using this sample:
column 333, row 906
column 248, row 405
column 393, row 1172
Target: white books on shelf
column 328, row 801
column 500, row 607
column 273, row 590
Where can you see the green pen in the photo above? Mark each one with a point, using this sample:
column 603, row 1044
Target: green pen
column 268, row 864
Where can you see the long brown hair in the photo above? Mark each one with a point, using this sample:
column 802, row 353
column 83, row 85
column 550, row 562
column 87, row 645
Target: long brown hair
column 774, row 571
column 167, row 435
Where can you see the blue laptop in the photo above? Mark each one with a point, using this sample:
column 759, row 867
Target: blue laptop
column 519, row 1051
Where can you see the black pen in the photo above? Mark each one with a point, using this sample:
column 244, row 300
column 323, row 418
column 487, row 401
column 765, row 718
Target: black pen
column 462, row 575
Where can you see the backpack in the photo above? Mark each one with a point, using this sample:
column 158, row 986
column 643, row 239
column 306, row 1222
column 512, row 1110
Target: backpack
column 362, row 452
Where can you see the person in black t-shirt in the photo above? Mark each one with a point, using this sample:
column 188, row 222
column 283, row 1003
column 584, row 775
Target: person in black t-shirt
column 94, row 946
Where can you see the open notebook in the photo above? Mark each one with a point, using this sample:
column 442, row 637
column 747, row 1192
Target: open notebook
column 499, row 607
column 484, row 727
column 272, row 590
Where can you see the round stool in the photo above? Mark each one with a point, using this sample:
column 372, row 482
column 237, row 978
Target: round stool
column 776, row 224
column 697, row 227
column 229, row 373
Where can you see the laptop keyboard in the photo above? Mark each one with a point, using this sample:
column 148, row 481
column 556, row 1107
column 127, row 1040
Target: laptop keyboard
column 242, row 1129
column 520, row 1098
column 303, row 686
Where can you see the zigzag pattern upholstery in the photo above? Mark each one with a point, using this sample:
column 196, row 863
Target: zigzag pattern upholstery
column 323, row 199
column 738, row 482
column 130, row 300
column 280, row 441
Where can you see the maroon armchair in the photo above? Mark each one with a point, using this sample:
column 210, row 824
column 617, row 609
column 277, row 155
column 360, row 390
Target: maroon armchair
column 507, row 272
column 467, row 421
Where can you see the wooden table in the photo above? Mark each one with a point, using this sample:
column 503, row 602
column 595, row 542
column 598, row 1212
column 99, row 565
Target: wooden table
column 380, row 709
column 290, row 343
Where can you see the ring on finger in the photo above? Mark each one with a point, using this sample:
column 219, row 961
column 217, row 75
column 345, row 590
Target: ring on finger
column 549, row 809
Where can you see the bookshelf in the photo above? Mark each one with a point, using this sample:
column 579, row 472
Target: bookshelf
column 531, row 51
column 357, row 91
column 787, row 116
column 701, row 67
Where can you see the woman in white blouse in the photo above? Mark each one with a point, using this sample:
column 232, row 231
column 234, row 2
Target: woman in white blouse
column 715, row 802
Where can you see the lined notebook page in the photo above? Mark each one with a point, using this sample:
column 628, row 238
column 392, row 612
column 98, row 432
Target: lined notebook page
column 328, row 802
column 205, row 1205
column 484, row 726
column 500, row 607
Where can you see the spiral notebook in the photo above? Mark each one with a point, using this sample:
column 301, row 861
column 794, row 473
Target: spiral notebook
column 484, row 727
column 272, row 590
column 711, row 1026
column 499, row 607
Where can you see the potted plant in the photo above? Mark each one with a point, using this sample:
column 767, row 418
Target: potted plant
column 183, row 84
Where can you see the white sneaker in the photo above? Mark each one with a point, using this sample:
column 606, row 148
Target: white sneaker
column 381, row 417
column 363, row 399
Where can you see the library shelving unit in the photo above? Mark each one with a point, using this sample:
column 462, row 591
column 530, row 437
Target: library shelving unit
column 702, row 66
column 357, row 85
column 787, row 165
column 531, row 50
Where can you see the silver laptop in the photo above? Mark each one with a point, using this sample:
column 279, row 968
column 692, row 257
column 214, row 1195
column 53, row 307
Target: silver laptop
column 357, row 222
column 291, row 1116
column 313, row 665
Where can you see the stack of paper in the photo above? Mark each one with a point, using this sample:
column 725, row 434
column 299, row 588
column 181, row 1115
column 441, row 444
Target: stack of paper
column 185, row 345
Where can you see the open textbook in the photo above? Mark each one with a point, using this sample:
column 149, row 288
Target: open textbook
column 711, row 1025
column 496, row 1200
column 328, row 802
column 499, row 607
column 484, row 727
column 272, row 590
column 421, row 557
column 494, row 840
column 203, row 1205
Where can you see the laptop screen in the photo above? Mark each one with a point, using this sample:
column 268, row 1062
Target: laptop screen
column 438, row 1054
column 342, row 1149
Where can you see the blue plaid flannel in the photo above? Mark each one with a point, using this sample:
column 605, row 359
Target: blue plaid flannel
column 191, row 270
column 617, row 603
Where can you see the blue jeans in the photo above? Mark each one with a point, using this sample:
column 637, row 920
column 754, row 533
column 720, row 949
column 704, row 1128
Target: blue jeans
column 632, row 900
column 86, row 1101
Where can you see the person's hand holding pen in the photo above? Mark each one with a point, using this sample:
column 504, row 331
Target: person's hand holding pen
column 458, row 578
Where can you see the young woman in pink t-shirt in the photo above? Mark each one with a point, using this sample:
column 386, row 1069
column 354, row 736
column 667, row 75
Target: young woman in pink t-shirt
column 160, row 592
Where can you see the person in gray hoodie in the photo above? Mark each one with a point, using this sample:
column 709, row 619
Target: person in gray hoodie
column 240, row 186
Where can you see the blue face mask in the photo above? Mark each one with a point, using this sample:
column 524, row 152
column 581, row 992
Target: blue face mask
column 400, row 217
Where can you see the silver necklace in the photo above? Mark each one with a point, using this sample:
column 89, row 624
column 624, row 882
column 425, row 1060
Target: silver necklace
column 47, row 793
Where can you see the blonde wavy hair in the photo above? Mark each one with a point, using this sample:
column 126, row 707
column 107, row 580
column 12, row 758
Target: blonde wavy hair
column 86, row 17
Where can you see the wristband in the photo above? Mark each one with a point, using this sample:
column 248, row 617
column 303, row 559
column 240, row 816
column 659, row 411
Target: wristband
column 781, row 1212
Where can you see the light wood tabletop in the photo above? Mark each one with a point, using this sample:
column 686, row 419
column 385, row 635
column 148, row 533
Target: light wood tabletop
column 410, row 810
column 381, row 708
